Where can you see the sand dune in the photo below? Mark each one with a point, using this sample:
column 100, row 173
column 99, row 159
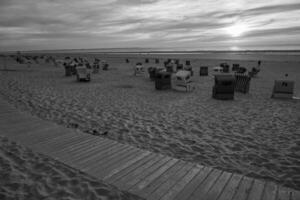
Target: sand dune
column 253, row 135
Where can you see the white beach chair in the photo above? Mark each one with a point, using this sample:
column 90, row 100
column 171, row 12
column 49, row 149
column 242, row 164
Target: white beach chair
column 139, row 69
column 283, row 89
column 83, row 73
column 218, row 69
column 183, row 79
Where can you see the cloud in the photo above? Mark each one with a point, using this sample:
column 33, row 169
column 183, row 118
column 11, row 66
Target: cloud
column 189, row 23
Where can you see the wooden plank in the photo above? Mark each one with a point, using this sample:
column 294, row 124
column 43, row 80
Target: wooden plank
column 244, row 189
column 73, row 147
column 78, row 140
column 144, row 173
column 44, row 134
column 193, row 184
column 218, row 187
column 52, row 141
column 63, row 144
column 116, row 163
column 231, row 187
column 58, row 143
column 148, row 189
column 284, row 194
column 55, row 143
column 154, row 175
column 60, row 134
column 88, row 152
column 270, row 191
column 122, row 183
column 85, row 149
column 295, row 195
column 116, row 177
column 127, row 164
column 101, row 153
column 257, row 190
column 99, row 164
column 182, row 183
column 110, row 151
column 166, row 186
column 204, row 187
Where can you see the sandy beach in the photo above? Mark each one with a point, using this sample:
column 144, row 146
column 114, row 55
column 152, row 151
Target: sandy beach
column 252, row 135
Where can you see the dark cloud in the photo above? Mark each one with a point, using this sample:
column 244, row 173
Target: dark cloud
column 258, row 11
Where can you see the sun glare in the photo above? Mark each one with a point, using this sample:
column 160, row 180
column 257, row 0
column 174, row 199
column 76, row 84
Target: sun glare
column 236, row 30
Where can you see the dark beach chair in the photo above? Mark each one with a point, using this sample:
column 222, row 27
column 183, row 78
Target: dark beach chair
column 163, row 80
column 203, row 71
column 242, row 83
column 224, row 87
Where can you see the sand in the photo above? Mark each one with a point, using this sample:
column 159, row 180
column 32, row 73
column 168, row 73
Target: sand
column 28, row 175
column 252, row 135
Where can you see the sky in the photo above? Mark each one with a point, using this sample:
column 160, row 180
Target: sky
column 157, row 24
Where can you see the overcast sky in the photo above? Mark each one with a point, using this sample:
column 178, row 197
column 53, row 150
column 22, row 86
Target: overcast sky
column 171, row 24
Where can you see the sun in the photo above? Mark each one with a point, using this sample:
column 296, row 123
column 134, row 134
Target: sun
column 236, row 30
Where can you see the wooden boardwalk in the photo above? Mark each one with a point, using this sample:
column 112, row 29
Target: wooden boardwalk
column 146, row 174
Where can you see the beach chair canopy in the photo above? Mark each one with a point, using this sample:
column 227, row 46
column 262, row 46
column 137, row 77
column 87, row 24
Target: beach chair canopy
column 224, row 79
column 81, row 70
column 183, row 75
column 218, row 69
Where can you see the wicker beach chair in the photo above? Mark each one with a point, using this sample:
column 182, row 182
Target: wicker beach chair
column 139, row 69
column 224, row 87
column 283, row 89
column 183, row 79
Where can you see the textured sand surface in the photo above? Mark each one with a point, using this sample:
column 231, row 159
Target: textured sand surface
column 253, row 135
column 28, row 175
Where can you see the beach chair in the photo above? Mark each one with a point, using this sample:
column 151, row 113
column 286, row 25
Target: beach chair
column 68, row 71
column 83, row 73
column 104, row 65
column 139, row 69
column 283, row 89
column 189, row 68
column 183, row 79
column 253, row 72
column 179, row 67
column 152, row 73
column 163, row 80
column 235, row 67
column 242, row 83
column 225, row 67
column 96, row 67
column 217, row 69
column 203, row 71
column 224, row 87
column 170, row 67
